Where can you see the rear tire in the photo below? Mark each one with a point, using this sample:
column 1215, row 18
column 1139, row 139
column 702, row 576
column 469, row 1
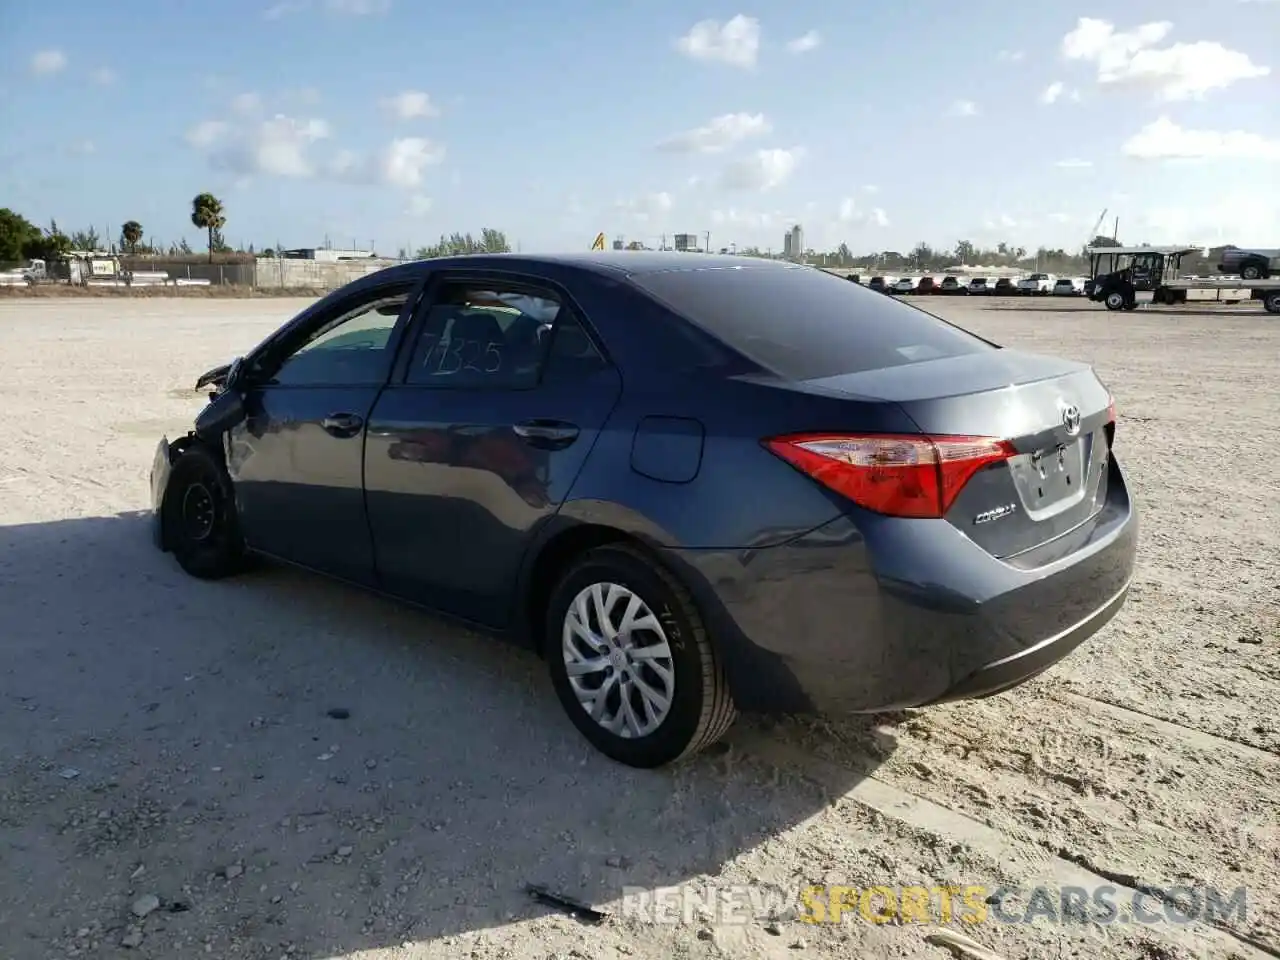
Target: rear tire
column 1271, row 302
column 199, row 515
column 1253, row 271
column 692, row 708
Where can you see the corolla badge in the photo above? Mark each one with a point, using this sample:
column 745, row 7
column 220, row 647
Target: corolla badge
column 1071, row 418
column 986, row 516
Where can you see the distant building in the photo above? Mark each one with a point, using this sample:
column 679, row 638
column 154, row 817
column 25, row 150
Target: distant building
column 793, row 243
column 325, row 254
column 686, row 242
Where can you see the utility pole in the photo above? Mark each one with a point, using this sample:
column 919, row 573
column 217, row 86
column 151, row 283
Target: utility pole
column 708, row 236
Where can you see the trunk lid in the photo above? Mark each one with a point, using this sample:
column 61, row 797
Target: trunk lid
column 1055, row 414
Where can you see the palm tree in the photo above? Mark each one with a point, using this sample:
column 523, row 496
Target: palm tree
column 206, row 213
column 131, row 235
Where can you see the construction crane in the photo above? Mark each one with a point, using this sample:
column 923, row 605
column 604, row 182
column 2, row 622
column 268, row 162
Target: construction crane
column 1088, row 241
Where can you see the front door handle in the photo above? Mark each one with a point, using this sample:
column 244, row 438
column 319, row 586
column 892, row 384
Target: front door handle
column 342, row 424
column 546, row 434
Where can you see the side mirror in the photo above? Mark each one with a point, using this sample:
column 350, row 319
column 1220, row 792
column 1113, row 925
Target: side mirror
column 224, row 411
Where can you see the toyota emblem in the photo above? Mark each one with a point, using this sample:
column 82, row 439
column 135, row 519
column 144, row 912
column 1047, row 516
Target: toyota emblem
column 1071, row 419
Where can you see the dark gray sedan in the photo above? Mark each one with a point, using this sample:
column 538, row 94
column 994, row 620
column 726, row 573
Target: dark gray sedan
column 694, row 484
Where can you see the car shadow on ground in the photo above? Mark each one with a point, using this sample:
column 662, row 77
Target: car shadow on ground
column 280, row 759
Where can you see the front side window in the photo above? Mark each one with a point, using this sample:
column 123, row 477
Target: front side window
column 484, row 335
column 351, row 347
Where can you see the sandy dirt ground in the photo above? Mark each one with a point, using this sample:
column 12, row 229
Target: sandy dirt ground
column 275, row 766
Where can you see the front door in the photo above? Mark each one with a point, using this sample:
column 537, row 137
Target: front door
column 479, row 438
column 297, row 459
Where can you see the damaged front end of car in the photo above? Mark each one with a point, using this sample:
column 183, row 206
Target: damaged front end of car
column 224, row 411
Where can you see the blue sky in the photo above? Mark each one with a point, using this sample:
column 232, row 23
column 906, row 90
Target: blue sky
column 875, row 125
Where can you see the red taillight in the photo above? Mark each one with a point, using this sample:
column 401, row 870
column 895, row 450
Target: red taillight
column 897, row 475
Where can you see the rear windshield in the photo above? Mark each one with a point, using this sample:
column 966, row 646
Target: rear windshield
column 804, row 324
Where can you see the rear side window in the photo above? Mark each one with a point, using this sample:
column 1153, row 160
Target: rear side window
column 804, row 324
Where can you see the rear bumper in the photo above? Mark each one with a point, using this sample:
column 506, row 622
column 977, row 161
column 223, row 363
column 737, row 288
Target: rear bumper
column 869, row 613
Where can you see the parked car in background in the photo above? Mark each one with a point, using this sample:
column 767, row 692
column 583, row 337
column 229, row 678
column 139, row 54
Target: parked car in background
column 953, row 286
column 1069, row 287
column 881, row 284
column 904, row 285
column 854, row 278
column 1006, row 287
column 927, row 285
column 981, row 286
column 492, row 437
column 1250, row 264
column 1037, row 284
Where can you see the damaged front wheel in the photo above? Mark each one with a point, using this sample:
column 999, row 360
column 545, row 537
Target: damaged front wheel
column 200, row 520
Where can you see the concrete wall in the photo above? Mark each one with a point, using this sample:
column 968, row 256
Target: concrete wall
column 314, row 274
column 218, row 274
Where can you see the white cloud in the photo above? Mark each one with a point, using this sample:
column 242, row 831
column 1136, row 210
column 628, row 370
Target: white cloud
column 746, row 218
column 719, row 133
column 246, row 104
column 1180, row 71
column 870, row 188
column 355, row 8
column 1238, row 217
column 103, row 77
column 850, row 212
column 964, row 108
column 282, row 9
column 358, row 8
column 1010, row 56
column 1162, row 139
column 1002, row 222
column 83, row 148
column 1073, row 163
column 1052, row 92
column 803, row 44
column 48, row 62
column 647, row 207
column 419, row 205
column 207, row 133
column 411, row 104
column 401, row 163
column 277, row 146
column 763, row 170
column 736, row 42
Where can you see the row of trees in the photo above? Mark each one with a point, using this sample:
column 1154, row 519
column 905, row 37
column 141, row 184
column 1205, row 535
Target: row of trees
column 20, row 239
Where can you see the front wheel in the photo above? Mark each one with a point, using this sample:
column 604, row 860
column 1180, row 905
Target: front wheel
column 199, row 516
column 1114, row 300
column 1253, row 271
column 1271, row 302
column 631, row 660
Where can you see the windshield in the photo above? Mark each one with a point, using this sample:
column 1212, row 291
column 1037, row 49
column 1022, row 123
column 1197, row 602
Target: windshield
column 805, row 324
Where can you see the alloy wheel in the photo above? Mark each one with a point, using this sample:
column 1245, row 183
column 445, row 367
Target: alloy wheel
column 618, row 660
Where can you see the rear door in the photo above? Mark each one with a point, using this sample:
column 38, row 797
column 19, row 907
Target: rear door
column 297, row 459
column 480, row 436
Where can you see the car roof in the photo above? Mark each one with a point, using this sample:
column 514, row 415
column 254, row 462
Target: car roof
column 613, row 262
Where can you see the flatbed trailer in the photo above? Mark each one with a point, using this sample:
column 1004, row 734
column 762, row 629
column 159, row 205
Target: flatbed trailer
column 1117, row 274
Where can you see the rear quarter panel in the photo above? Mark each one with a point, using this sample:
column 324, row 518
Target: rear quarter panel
column 742, row 496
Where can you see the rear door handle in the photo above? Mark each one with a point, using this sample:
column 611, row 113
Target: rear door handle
column 546, row 434
column 342, row 424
